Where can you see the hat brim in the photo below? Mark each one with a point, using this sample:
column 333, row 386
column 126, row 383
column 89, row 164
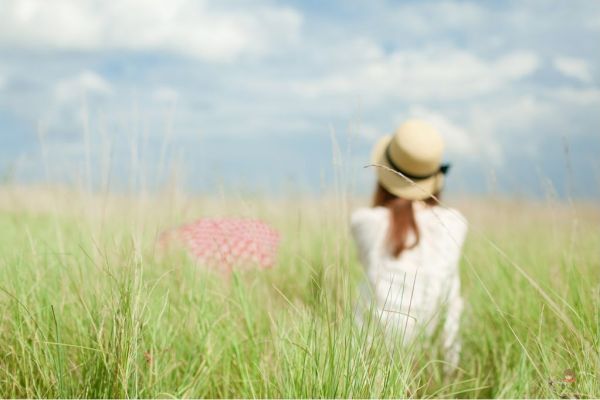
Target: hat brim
column 399, row 185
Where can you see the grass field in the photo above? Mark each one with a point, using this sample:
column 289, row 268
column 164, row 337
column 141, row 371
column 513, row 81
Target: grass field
column 92, row 308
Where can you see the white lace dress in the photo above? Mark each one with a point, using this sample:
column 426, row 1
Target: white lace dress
column 412, row 293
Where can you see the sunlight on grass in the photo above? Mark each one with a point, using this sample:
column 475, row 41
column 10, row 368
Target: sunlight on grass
column 94, row 308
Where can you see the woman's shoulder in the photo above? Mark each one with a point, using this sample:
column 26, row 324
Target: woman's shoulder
column 448, row 220
column 369, row 215
column 449, row 214
column 367, row 226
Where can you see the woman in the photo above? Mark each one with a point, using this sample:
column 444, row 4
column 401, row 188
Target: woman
column 410, row 246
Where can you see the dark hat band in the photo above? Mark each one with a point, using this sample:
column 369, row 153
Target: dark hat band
column 443, row 168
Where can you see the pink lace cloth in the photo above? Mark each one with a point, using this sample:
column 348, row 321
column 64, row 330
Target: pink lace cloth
column 227, row 242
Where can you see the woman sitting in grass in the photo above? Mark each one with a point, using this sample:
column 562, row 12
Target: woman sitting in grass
column 408, row 244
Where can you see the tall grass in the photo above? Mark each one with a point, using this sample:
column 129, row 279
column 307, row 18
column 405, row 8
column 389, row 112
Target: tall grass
column 93, row 308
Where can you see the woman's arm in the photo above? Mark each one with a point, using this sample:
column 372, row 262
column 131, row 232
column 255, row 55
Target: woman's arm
column 366, row 225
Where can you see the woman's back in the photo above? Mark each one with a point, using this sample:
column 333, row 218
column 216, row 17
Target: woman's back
column 410, row 290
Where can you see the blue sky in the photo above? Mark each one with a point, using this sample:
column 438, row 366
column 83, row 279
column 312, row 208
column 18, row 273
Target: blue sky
column 265, row 95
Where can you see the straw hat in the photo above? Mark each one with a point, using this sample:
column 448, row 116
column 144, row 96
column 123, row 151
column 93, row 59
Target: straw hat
column 415, row 151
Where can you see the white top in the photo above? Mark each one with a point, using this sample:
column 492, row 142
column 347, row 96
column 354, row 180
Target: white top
column 412, row 292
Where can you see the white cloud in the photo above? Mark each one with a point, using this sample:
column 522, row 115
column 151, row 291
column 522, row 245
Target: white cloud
column 579, row 97
column 440, row 74
column 593, row 21
column 458, row 140
column 370, row 131
column 185, row 27
column 502, row 125
column 68, row 101
column 86, row 82
column 576, row 68
column 418, row 17
column 165, row 94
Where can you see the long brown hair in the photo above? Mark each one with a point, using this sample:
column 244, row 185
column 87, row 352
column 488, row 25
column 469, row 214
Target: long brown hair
column 402, row 218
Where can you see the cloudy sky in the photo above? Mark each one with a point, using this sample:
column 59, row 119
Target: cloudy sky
column 273, row 95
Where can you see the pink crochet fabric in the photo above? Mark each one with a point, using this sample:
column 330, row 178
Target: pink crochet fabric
column 225, row 242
